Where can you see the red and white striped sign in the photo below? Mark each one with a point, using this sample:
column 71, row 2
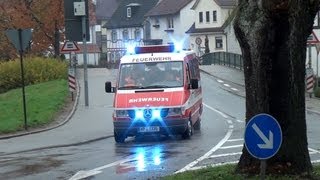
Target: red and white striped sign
column 72, row 81
column 309, row 80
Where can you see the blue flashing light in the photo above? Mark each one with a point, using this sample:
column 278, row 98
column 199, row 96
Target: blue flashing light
column 178, row 47
column 130, row 48
column 156, row 114
column 139, row 114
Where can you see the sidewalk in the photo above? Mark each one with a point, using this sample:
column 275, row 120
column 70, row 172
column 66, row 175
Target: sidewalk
column 85, row 125
column 237, row 77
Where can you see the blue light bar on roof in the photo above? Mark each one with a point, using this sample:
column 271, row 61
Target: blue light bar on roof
column 154, row 49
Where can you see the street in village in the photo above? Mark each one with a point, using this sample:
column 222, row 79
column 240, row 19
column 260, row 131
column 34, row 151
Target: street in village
column 84, row 146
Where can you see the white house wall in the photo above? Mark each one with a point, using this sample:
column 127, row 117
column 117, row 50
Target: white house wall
column 181, row 21
column 120, row 43
column 208, row 5
column 212, row 43
column 233, row 44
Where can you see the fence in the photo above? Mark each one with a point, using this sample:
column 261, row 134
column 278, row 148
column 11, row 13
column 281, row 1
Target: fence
column 223, row 58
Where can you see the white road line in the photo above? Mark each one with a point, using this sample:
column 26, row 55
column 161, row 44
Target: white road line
column 224, row 155
column 220, row 81
column 230, row 147
column 227, row 85
column 87, row 173
column 215, row 148
column 217, row 111
column 214, row 165
column 240, row 121
column 235, row 89
column 233, row 140
column 314, row 150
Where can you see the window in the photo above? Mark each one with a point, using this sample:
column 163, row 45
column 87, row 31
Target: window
column 137, row 35
column 129, row 12
column 114, row 36
column 214, row 17
column 219, row 43
column 125, row 35
column 207, row 16
column 170, row 23
column 200, row 17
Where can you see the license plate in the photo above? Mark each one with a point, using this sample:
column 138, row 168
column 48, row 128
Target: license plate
column 149, row 129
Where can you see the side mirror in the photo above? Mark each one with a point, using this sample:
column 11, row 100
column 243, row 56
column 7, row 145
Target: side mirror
column 194, row 84
column 108, row 87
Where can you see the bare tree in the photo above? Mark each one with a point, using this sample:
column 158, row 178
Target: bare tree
column 273, row 36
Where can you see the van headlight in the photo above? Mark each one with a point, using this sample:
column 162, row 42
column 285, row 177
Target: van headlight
column 121, row 113
column 175, row 111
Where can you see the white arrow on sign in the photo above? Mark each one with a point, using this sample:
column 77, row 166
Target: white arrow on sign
column 268, row 143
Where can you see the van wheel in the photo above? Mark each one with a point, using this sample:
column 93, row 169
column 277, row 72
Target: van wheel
column 119, row 138
column 197, row 125
column 189, row 131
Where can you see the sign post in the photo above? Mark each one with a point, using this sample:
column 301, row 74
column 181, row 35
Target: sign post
column 263, row 138
column 317, row 70
column 20, row 39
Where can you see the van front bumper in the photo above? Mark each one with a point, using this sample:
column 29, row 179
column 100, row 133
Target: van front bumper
column 166, row 127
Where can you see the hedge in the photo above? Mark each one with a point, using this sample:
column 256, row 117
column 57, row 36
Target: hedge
column 36, row 70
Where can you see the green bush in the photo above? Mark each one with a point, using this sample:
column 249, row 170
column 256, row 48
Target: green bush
column 317, row 92
column 36, row 70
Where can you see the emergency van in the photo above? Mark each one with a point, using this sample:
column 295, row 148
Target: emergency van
column 158, row 91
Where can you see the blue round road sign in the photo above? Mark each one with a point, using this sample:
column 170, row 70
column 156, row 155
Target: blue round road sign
column 263, row 136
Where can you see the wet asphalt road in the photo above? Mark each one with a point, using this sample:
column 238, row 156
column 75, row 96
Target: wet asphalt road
column 218, row 141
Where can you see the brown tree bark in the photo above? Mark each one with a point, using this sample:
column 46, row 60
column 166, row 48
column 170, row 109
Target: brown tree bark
column 273, row 36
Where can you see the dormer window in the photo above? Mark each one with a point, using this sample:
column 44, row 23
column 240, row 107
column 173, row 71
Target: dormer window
column 128, row 12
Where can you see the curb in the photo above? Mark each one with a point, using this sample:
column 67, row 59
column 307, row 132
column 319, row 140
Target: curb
column 49, row 128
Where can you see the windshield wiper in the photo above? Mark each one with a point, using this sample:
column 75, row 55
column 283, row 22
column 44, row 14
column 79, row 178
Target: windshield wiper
column 157, row 86
column 131, row 87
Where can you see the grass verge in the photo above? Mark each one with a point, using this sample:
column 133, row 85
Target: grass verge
column 226, row 172
column 43, row 101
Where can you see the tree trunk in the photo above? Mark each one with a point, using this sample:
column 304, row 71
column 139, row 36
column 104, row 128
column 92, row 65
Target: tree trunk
column 56, row 40
column 273, row 36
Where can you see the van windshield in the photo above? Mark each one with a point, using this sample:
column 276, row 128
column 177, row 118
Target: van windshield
column 151, row 75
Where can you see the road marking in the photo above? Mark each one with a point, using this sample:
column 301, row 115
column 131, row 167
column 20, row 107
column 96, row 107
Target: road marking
column 313, row 150
column 227, row 85
column 95, row 171
column 215, row 148
column 214, row 165
column 235, row 89
column 234, row 140
column 217, row 111
column 224, row 155
column 220, row 81
column 230, row 147
column 240, row 121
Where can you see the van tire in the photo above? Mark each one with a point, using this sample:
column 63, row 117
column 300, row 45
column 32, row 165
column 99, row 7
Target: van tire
column 119, row 138
column 197, row 125
column 189, row 131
